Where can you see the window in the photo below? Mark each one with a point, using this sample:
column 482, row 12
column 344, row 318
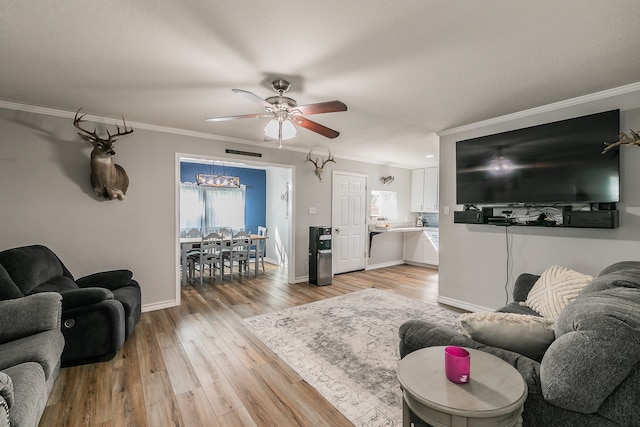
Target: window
column 384, row 204
column 210, row 208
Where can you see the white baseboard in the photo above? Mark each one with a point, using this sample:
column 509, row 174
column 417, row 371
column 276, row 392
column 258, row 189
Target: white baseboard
column 159, row 305
column 421, row 264
column 301, row 279
column 384, row 264
column 462, row 304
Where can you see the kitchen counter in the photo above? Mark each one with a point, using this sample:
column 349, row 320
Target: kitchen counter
column 396, row 228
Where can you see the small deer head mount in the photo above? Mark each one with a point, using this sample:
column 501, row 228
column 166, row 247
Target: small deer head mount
column 108, row 179
column 319, row 169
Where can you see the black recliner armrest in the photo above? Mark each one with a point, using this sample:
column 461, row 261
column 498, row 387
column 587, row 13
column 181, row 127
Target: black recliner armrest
column 111, row 280
column 83, row 297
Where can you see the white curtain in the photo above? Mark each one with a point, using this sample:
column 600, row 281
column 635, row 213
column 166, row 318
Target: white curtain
column 191, row 207
column 211, row 208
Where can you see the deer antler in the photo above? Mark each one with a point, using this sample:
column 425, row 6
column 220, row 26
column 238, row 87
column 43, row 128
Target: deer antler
column 319, row 169
column 623, row 138
column 315, row 162
column 329, row 159
column 93, row 136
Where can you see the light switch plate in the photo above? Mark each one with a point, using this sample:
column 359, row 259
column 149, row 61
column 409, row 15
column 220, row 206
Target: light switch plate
column 313, row 210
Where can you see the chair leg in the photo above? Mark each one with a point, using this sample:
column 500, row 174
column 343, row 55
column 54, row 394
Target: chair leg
column 192, row 271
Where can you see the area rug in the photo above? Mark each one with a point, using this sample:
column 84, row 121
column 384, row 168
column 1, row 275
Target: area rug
column 346, row 347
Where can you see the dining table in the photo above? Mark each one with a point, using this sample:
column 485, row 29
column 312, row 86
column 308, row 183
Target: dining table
column 191, row 243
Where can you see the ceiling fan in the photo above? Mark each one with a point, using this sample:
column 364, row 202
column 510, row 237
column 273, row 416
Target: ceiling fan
column 285, row 112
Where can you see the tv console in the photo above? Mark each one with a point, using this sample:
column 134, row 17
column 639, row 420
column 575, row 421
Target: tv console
column 570, row 219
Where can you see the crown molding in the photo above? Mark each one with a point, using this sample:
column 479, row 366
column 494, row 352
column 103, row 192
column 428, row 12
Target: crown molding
column 176, row 131
column 598, row 96
column 109, row 120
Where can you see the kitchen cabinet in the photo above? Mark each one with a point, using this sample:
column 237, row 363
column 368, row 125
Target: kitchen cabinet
column 421, row 247
column 424, row 189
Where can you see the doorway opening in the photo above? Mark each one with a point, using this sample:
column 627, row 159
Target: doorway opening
column 264, row 191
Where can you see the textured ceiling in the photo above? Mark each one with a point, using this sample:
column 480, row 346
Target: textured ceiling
column 405, row 69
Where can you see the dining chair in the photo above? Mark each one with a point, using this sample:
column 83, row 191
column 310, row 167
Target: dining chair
column 225, row 232
column 257, row 251
column 238, row 252
column 193, row 254
column 211, row 254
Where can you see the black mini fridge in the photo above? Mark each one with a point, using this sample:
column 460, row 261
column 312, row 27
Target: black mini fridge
column 320, row 262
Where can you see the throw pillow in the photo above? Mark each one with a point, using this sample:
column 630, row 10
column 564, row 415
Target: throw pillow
column 556, row 288
column 522, row 333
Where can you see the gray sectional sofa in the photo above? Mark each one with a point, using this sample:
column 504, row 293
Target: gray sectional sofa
column 31, row 344
column 590, row 373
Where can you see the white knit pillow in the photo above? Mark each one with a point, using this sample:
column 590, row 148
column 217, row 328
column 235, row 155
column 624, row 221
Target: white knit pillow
column 556, row 288
column 524, row 334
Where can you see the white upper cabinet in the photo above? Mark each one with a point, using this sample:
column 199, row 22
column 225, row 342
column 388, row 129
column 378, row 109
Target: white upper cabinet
column 424, row 189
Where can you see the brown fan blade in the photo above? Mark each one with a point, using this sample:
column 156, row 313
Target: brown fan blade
column 253, row 97
column 321, row 107
column 315, row 127
column 244, row 116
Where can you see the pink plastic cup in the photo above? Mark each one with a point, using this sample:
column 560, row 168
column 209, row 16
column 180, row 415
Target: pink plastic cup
column 457, row 364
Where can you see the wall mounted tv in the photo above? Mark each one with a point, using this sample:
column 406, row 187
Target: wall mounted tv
column 553, row 163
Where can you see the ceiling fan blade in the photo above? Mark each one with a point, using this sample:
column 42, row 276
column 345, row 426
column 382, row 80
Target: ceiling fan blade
column 244, row 116
column 315, row 127
column 253, row 97
column 321, row 107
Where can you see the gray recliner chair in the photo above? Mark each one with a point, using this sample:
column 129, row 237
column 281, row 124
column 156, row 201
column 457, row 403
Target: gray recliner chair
column 99, row 311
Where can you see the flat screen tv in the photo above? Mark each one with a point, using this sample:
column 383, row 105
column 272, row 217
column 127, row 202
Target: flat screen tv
column 553, row 163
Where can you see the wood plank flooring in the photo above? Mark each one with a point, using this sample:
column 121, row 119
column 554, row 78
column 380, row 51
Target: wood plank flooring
column 196, row 365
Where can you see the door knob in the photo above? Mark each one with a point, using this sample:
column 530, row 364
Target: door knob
column 337, row 230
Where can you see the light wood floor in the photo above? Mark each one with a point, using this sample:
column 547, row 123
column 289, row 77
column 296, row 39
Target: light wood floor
column 196, row 365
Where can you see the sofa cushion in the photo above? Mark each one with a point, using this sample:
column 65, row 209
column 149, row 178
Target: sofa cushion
column 597, row 346
column 617, row 279
column 556, row 287
column 516, row 307
column 524, row 334
column 31, row 266
column 44, row 348
column 8, row 289
column 30, row 393
column 57, row 284
column 620, row 266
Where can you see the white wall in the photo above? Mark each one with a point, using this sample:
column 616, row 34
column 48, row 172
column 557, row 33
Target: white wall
column 46, row 197
column 473, row 258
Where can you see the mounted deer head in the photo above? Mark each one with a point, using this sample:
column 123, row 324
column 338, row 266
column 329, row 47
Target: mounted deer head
column 108, row 179
column 623, row 138
column 319, row 169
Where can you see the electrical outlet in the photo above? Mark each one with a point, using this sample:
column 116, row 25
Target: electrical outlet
column 446, row 210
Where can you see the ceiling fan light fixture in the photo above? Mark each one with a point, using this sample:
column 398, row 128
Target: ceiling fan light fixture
column 288, row 129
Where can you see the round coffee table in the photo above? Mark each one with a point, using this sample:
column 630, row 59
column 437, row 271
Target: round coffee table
column 494, row 395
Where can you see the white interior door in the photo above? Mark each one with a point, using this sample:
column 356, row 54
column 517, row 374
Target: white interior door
column 348, row 222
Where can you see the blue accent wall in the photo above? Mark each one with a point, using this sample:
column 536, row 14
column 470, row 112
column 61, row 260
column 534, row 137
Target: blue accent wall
column 255, row 180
